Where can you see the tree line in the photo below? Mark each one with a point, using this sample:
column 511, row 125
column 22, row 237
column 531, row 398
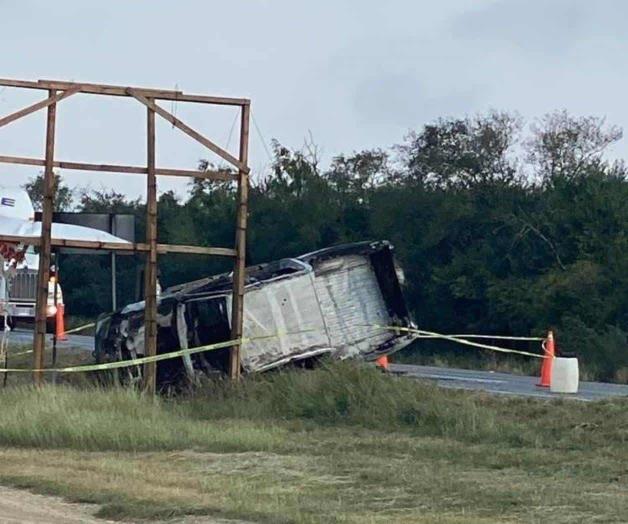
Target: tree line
column 500, row 227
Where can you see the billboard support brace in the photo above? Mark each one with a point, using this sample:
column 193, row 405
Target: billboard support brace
column 58, row 91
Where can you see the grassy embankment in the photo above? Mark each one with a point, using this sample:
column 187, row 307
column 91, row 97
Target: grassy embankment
column 20, row 356
column 338, row 444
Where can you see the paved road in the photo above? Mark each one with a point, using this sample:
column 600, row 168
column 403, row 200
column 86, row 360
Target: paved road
column 491, row 382
column 504, row 383
column 25, row 336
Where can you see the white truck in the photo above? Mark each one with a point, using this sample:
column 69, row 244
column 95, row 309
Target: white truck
column 18, row 261
column 22, row 291
column 18, row 278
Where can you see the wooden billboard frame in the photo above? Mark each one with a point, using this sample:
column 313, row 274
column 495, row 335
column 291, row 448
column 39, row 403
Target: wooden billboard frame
column 58, row 91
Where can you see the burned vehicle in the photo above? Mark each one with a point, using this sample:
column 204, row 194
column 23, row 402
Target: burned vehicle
column 338, row 301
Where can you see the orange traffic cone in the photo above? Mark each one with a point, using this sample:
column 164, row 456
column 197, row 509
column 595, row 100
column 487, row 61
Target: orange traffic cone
column 60, row 323
column 382, row 362
column 548, row 361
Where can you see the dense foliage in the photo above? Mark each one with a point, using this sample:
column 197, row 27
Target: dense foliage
column 499, row 229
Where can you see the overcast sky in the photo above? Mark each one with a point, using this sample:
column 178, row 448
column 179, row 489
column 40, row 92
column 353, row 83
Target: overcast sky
column 356, row 74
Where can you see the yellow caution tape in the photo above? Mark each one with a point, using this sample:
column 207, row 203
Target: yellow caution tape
column 132, row 362
column 69, row 332
column 220, row 345
column 156, row 358
column 494, row 337
column 454, row 338
column 21, row 353
column 80, row 328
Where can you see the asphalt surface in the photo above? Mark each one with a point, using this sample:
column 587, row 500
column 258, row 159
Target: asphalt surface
column 504, row 383
column 488, row 381
column 25, row 336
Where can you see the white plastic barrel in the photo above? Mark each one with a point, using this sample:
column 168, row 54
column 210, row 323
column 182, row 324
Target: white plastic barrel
column 565, row 375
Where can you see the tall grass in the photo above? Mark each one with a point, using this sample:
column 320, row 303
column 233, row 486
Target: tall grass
column 115, row 419
column 260, row 412
column 346, row 394
column 343, row 393
column 342, row 443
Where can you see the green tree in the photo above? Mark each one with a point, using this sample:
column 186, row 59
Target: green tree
column 563, row 146
column 462, row 152
column 63, row 195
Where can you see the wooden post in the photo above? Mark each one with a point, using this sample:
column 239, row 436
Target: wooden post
column 39, row 340
column 114, row 280
column 150, row 272
column 58, row 91
column 237, row 306
column 53, row 363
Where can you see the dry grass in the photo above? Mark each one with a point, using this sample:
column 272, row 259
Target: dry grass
column 341, row 444
column 335, row 476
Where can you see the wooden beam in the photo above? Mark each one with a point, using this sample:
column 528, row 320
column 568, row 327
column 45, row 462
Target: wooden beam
column 237, row 303
column 196, row 250
column 122, row 169
column 75, row 244
column 150, row 271
column 39, row 340
column 37, row 106
column 225, row 155
column 218, row 176
column 139, row 247
column 22, row 160
column 113, row 90
column 93, row 244
column 160, row 94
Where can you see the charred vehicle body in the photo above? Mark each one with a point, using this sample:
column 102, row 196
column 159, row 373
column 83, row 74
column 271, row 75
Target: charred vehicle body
column 335, row 301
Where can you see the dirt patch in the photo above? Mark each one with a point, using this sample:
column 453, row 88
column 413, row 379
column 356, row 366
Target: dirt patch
column 23, row 507
column 20, row 507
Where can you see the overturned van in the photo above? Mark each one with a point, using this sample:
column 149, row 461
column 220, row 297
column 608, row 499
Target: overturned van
column 340, row 301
